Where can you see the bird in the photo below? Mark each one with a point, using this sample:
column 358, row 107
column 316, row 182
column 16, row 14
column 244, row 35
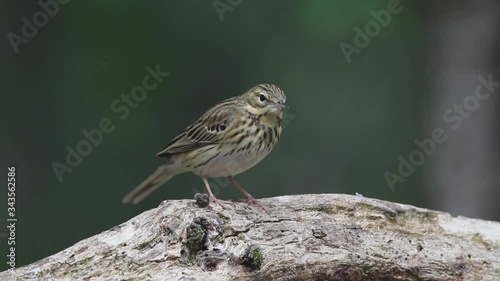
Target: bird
column 228, row 139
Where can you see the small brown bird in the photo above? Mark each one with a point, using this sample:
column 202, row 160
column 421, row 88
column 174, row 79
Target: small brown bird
column 228, row 139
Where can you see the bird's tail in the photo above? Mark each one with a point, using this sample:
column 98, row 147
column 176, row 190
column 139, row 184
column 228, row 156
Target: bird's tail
column 159, row 177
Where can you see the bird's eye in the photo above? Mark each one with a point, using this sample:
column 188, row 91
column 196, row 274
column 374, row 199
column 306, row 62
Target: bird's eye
column 262, row 97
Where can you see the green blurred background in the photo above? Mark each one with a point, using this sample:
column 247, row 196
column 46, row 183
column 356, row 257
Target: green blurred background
column 348, row 122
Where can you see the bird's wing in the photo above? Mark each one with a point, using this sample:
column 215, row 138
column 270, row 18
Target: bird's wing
column 207, row 130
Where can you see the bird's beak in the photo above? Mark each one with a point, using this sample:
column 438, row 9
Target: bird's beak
column 281, row 105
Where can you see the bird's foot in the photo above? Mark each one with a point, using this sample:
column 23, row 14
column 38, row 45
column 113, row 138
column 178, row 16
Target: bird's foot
column 220, row 202
column 252, row 200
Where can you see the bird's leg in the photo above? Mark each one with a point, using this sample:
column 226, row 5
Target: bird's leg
column 210, row 194
column 250, row 198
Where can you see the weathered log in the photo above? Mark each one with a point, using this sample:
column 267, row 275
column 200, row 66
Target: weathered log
column 301, row 237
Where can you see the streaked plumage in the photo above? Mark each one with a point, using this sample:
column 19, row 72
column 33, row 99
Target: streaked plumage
column 228, row 139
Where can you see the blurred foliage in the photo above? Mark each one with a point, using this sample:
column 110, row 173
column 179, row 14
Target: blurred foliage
column 348, row 121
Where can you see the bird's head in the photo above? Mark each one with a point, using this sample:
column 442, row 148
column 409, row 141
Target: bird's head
column 265, row 99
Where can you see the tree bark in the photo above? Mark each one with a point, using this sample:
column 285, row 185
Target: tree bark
column 301, row 237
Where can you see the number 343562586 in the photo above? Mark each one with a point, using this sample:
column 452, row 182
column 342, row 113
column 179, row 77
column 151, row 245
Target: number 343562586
column 11, row 187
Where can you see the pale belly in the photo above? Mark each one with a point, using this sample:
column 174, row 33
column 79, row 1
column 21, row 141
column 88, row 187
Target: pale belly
column 221, row 165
